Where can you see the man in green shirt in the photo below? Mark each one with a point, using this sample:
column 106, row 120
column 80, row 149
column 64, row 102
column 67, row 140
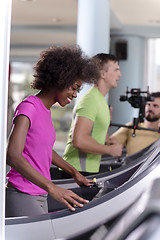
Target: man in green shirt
column 91, row 119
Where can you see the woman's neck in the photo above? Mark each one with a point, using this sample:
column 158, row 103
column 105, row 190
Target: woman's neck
column 47, row 97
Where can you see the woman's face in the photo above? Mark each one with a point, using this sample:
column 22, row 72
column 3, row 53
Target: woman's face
column 65, row 96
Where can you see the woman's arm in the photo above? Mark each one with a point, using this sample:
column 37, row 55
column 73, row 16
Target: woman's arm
column 20, row 164
column 61, row 163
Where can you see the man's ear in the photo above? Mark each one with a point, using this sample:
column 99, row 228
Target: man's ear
column 102, row 73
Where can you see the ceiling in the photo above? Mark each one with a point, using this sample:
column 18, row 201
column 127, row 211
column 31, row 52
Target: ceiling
column 37, row 24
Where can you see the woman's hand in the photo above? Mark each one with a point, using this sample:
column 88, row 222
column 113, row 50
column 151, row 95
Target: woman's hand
column 81, row 180
column 67, row 197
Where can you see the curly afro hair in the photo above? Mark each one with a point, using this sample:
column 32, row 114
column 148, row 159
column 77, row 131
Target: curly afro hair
column 60, row 67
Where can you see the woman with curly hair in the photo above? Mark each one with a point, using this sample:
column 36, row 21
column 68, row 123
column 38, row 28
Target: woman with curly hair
column 59, row 74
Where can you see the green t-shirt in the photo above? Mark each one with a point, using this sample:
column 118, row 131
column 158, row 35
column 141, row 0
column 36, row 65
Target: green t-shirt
column 92, row 105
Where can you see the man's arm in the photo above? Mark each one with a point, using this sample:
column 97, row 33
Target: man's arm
column 121, row 136
column 82, row 139
column 111, row 140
